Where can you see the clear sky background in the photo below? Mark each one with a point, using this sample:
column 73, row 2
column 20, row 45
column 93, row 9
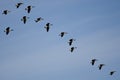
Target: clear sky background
column 31, row 53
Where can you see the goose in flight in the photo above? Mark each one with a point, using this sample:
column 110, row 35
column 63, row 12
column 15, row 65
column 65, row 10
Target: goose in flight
column 71, row 41
column 62, row 34
column 5, row 12
column 29, row 8
column 93, row 61
column 18, row 5
column 72, row 49
column 112, row 72
column 39, row 19
column 7, row 30
column 47, row 27
column 24, row 19
column 100, row 66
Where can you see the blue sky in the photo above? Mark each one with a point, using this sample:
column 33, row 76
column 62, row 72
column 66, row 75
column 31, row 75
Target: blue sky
column 30, row 53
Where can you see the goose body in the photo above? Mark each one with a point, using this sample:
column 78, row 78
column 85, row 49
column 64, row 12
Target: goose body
column 24, row 19
column 5, row 12
column 62, row 34
column 47, row 26
column 7, row 30
column 93, row 61
column 72, row 49
column 71, row 41
column 38, row 19
column 100, row 66
column 112, row 72
column 18, row 5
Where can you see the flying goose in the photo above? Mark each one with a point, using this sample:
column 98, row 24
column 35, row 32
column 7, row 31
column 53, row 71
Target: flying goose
column 7, row 30
column 29, row 8
column 18, row 5
column 71, row 41
column 93, row 61
column 39, row 19
column 72, row 49
column 62, row 34
column 112, row 72
column 100, row 66
column 47, row 26
column 24, row 19
column 5, row 12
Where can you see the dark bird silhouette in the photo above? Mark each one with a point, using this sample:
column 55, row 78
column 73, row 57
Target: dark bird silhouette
column 71, row 41
column 29, row 8
column 93, row 61
column 47, row 27
column 5, row 12
column 24, row 19
column 18, row 5
column 72, row 49
column 39, row 19
column 100, row 66
column 7, row 30
column 62, row 34
column 112, row 72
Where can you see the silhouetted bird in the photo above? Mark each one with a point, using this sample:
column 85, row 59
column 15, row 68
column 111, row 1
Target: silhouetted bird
column 24, row 19
column 29, row 8
column 100, row 66
column 112, row 72
column 62, row 34
column 72, row 49
column 18, row 5
column 5, row 12
column 71, row 41
column 93, row 61
column 39, row 19
column 7, row 30
column 47, row 26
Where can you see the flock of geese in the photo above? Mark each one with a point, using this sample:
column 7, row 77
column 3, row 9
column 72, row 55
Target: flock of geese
column 93, row 61
column 47, row 27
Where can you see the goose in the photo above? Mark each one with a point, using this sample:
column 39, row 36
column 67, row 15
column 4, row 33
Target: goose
column 47, row 27
column 18, row 5
column 71, row 41
column 7, row 30
column 39, row 19
column 5, row 12
column 29, row 8
column 24, row 19
column 62, row 34
column 93, row 61
column 72, row 49
column 100, row 66
column 112, row 72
